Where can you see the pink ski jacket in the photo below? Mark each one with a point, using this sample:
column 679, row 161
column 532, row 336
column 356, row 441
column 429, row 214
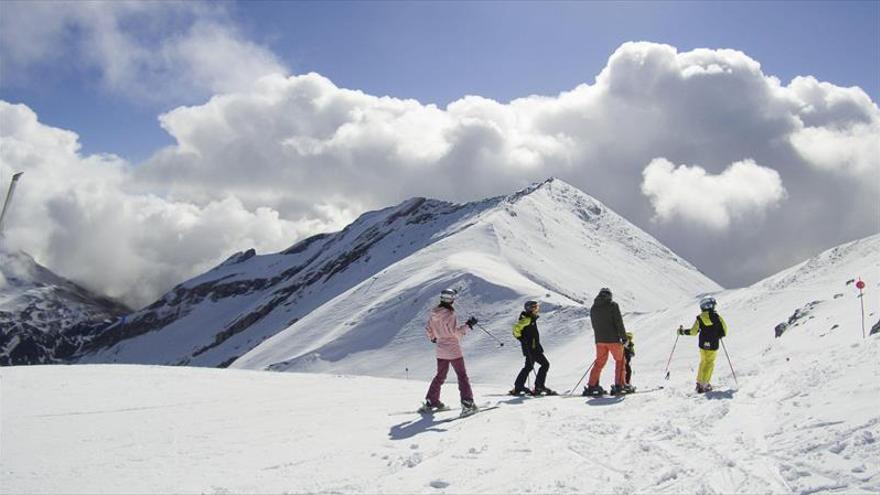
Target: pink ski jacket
column 443, row 326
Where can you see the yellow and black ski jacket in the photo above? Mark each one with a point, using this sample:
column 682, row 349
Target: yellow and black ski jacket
column 711, row 328
column 629, row 349
column 526, row 331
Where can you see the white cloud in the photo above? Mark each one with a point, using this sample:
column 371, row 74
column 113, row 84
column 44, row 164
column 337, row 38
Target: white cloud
column 88, row 219
column 743, row 191
column 841, row 128
column 854, row 149
column 297, row 155
column 160, row 51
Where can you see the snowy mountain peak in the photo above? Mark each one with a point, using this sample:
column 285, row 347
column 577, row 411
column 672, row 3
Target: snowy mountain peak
column 46, row 318
column 341, row 293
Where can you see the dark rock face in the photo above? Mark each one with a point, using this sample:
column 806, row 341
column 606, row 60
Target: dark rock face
column 780, row 329
column 796, row 318
column 52, row 323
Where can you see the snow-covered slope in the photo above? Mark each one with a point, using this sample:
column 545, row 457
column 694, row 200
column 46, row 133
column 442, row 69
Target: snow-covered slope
column 802, row 416
column 45, row 318
column 139, row 429
column 339, row 298
column 813, row 303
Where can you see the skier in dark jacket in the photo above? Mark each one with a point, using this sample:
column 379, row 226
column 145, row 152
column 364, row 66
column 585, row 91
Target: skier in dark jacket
column 526, row 331
column 711, row 328
column 610, row 336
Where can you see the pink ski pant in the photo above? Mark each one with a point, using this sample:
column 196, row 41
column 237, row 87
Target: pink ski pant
column 464, row 384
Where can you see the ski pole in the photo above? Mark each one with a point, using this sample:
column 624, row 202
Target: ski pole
column 500, row 343
column 582, row 378
column 728, row 362
column 673, row 352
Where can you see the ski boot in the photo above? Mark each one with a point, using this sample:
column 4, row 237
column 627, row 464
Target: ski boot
column 429, row 408
column 520, row 392
column 628, row 389
column 543, row 391
column 468, row 407
column 593, row 391
column 617, row 390
column 702, row 388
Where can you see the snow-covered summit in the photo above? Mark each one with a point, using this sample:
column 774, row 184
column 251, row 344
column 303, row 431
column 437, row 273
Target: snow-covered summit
column 549, row 240
column 45, row 318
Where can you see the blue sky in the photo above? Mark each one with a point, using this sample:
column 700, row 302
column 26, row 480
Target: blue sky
column 437, row 52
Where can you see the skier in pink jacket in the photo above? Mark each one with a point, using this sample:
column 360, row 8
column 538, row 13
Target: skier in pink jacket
column 444, row 331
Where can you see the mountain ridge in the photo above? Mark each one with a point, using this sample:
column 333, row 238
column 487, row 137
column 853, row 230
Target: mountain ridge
column 263, row 294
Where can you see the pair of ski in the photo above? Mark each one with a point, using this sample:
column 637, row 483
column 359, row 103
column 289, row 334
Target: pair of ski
column 462, row 413
column 568, row 395
column 524, row 395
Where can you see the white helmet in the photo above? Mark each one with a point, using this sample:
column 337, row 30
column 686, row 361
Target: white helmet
column 707, row 303
column 448, row 296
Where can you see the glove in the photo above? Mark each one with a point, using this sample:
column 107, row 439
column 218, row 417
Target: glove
column 471, row 322
column 623, row 340
column 434, row 340
column 682, row 331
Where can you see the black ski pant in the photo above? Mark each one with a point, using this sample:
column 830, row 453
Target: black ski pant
column 629, row 372
column 531, row 359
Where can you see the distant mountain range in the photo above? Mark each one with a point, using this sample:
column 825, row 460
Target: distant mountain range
column 45, row 318
column 355, row 301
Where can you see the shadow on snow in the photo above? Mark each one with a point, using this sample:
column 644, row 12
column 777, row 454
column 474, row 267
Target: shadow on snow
column 720, row 394
column 409, row 429
column 605, row 401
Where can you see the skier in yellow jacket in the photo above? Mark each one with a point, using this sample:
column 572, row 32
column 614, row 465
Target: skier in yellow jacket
column 711, row 329
column 526, row 332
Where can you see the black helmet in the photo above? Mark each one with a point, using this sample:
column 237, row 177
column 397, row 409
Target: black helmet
column 605, row 291
column 530, row 305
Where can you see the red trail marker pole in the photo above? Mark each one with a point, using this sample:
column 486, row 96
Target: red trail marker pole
column 861, row 285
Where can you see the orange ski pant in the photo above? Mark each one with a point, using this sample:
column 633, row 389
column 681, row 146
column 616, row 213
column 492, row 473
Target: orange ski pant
column 602, row 351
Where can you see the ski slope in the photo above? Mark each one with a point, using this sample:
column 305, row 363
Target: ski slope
column 802, row 416
column 142, row 429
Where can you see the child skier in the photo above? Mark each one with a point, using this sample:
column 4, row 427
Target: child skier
column 443, row 329
column 629, row 350
column 526, row 331
column 711, row 329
